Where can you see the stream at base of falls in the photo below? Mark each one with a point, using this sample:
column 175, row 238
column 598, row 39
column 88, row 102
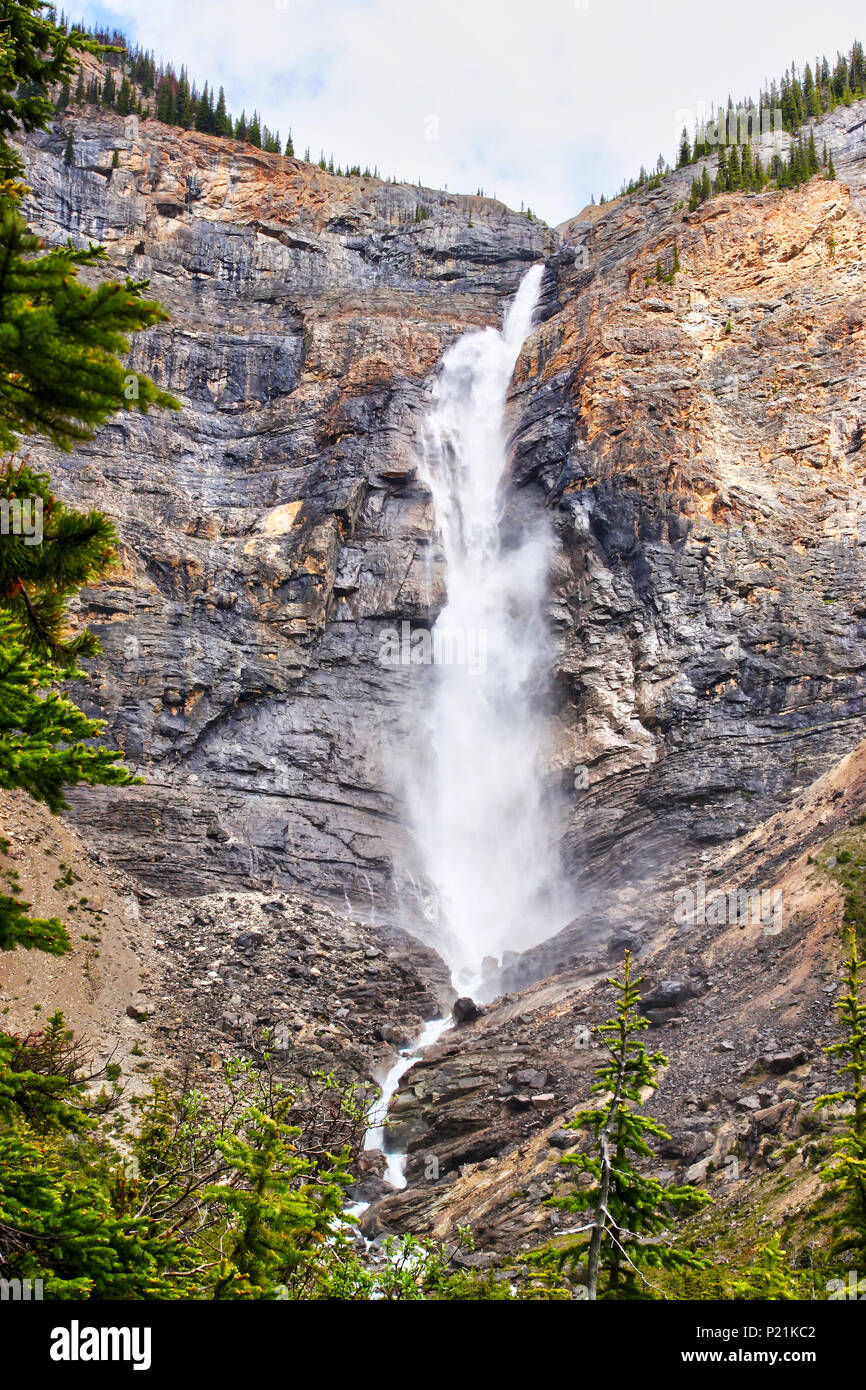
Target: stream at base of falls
column 395, row 1162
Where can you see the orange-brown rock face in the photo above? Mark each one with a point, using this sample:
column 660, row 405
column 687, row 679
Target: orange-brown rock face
column 701, row 441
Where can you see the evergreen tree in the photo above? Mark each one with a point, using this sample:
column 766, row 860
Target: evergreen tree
column 831, row 168
column 770, row 1277
column 290, row 149
column 18, row 928
column 61, row 377
column 254, row 134
column 204, row 112
column 60, row 373
column 125, row 98
column 282, row 1215
column 42, row 751
column 66, row 1214
column 183, row 102
column 630, row 1210
column 809, row 92
column 36, row 54
column 721, row 183
column 747, row 171
column 847, row 1171
column 222, row 123
column 69, row 148
column 166, row 105
column 109, row 91
column 685, row 154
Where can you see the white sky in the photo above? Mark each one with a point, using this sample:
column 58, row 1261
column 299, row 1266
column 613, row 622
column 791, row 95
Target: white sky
column 514, row 96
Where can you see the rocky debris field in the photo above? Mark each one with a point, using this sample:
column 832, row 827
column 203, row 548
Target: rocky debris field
column 331, row 994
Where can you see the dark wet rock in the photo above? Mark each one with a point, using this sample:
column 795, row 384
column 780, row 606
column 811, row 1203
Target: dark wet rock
column 621, row 942
column 368, row 1189
column 465, row 1010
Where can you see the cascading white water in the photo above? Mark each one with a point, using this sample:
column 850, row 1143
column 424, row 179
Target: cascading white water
column 484, row 832
column 395, row 1160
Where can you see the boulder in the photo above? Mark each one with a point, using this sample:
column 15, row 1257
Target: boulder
column 777, row 1063
column 465, row 1010
column 529, row 1076
column 698, row 1171
column 749, row 1103
column 619, row 943
column 668, row 994
column 249, row 940
column 562, row 1139
column 659, row 1017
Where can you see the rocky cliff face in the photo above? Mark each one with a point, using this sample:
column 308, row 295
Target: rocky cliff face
column 272, row 529
column 699, row 443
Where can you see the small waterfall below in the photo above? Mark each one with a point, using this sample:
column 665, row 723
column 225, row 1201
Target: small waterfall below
column 395, row 1161
column 484, row 828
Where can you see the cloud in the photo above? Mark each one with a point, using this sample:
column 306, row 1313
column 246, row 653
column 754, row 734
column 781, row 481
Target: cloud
column 543, row 103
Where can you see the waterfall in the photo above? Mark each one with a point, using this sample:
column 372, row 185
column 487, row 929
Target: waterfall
column 485, row 833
